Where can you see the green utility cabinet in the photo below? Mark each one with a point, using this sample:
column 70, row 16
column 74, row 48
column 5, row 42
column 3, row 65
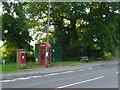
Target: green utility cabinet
column 56, row 52
column 37, row 51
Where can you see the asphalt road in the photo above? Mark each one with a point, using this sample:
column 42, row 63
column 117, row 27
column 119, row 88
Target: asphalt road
column 96, row 77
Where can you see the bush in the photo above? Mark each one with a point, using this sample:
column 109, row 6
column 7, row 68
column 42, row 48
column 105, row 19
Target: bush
column 30, row 56
column 9, row 54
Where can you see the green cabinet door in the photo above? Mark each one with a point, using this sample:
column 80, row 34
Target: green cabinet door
column 56, row 52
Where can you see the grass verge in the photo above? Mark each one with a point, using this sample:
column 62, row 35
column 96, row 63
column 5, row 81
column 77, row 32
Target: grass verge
column 12, row 67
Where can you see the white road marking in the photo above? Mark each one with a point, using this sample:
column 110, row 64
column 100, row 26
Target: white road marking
column 117, row 72
column 28, row 77
column 66, row 72
column 15, row 79
column 81, row 82
column 51, row 74
column 8, row 80
column 81, row 69
column 90, row 68
column 20, row 79
column 34, row 76
column 37, row 76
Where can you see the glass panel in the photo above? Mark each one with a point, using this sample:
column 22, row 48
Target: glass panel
column 42, row 54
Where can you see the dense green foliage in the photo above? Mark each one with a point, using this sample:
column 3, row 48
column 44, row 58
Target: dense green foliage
column 14, row 30
column 82, row 28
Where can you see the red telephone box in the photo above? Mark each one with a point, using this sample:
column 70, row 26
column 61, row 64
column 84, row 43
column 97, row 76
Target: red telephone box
column 43, row 54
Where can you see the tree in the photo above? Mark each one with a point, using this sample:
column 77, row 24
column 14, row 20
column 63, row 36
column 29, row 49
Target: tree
column 15, row 29
column 83, row 28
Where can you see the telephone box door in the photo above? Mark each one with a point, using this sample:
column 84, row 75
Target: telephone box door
column 43, row 55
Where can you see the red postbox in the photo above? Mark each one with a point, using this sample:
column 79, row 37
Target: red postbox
column 44, row 56
column 21, row 58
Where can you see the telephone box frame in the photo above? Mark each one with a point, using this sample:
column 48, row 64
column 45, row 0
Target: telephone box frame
column 43, row 54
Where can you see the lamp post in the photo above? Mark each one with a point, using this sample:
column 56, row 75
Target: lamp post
column 47, row 42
